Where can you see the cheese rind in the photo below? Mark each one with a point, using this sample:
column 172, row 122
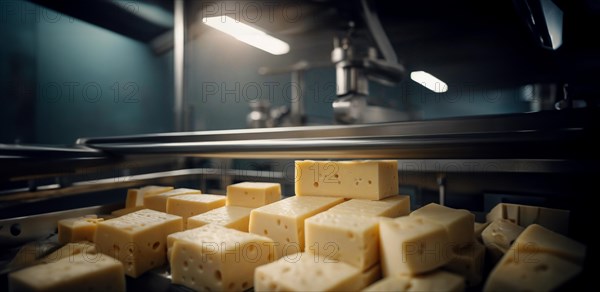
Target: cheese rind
column 348, row 238
column 234, row 217
column 537, row 239
column 468, row 262
column 458, row 223
column 412, row 245
column 283, row 221
column 191, row 205
column 524, row 215
column 215, row 258
column 358, row 179
column 158, row 202
column 70, row 274
column 439, row 281
column 253, row 194
column 77, row 229
column 306, row 272
column 392, row 207
column 137, row 239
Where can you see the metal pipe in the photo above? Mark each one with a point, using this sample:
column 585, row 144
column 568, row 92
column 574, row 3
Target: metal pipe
column 178, row 69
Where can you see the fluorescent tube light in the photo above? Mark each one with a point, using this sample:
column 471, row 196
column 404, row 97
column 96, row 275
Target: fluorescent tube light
column 429, row 81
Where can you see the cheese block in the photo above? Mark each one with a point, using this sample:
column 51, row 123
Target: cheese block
column 370, row 276
column 135, row 197
column 438, row 281
column 530, row 272
column 468, row 262
column 191, row 205
column 537, row 239
column 70, row 274
column 524, row 215
column 124, row 211
column 394, row 206
column 219, row 258
column 357, row 179
column 499, row 236
column 158, row 202
column 478, row 229
column 413, row 245
column 137, row 239
column 228, row 216
column 253, row 194
column 458, row 223
column 84, row 250
column 345, row 237
column 306, row 272
column 77, row 229
column 283, row 221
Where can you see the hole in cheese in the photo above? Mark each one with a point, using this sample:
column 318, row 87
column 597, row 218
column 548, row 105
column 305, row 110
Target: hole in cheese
column 316, row 184
column 278, row 221
column 266, row 232
column 156, row 245
column 218, row 275
column 231, row 286
column 200, row 268
column 370, row 182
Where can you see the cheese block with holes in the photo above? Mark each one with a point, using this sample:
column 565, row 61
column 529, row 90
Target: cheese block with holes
column 537, row 239
column 138, row 239
column 307, row 272
column 193, row 204
column 77, row 229
column 357, row 179
column 413, row 245
column 458, row 223
column 468, row 262
column 498, row 236
column 345, row 237
column 394, row 206
column 135, row 197
column 219, row 258
column 158, row 202
column 103, row 273
column 283, row 221
column 253, row 194
column 438, row 281
column 228, row 216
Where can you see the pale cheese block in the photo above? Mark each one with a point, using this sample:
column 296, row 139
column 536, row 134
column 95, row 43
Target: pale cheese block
column 345, row 237
column 219, row 258
column 356, row 179
column 158, row 202
column 537, row 239
column 191, row 205
column 135, row 197
column 499, row 236
column 234, row 217
column 253, row 194
column 370, row 276
column 478, row 229
column 306, row 272
column 437, row 281
column 458, row 223
column 70, row 274
column 392, row 207
column 530, row 272
column 138, row 239
column 524, row 215
column 468, row 262
column 413, row 245
column 77, row 229
column 84, row 250
column 125, row 211
column 283, row 221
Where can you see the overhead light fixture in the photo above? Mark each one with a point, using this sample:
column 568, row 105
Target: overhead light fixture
column 248, row 34
column 429, row 81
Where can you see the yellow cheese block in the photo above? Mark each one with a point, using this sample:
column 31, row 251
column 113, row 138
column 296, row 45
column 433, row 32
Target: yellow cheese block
column 306, row 272
column 458, row 223
column 158, row 202
column 524, row 215
column 437, row 281
column 135, row 197
column 124, row 211
column 71, row 274
column 537, row 239
column 499, row 236
column 77, row 229
column 137, row 239
column 412, row 245
column 358, row 179
column 530, row 272
column 283, row 221
column 468, row 262
column 349, row 238
column 394, row 206
column 219, row 258
column 233, row 217
column 253, row 194
column 191, row 205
